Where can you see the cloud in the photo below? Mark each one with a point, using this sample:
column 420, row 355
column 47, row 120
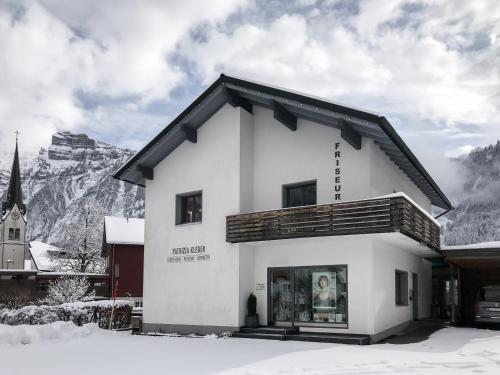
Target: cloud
column 425, row 61
column 119, row 70
column 285, row 53
column 57, row 56
column 462, row 150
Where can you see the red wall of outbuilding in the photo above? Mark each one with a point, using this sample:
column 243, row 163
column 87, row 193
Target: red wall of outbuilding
column 131, row 263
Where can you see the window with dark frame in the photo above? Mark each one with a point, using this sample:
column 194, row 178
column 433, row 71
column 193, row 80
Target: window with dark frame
column 299, row 194
column 188, row 208
column 401, row 279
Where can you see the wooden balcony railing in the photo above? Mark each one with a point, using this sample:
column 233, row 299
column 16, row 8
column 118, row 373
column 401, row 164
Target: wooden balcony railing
column 382, row 215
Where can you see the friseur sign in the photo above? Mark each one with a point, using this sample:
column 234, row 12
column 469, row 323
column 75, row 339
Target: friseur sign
column 188, row 254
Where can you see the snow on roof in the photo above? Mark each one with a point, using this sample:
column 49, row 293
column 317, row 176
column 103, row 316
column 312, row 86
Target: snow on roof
column 121, row 230
column 474, row 246
column 40, row 252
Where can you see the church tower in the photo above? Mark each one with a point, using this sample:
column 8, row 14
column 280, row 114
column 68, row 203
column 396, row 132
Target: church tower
column 13, row 223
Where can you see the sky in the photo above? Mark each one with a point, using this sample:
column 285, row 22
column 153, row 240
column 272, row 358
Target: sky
column 121, row 70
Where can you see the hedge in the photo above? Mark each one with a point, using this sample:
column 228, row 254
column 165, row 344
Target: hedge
column 78, row 312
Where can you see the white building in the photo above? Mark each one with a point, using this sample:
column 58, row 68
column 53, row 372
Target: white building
column 320, row 210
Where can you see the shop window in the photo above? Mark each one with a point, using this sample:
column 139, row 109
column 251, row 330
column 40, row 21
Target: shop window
column 401, row 278
column 321, row 294
column 299, row 194
column 309, row 296
column 188, row 208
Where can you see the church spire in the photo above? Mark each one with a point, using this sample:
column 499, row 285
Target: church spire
column 15, row 193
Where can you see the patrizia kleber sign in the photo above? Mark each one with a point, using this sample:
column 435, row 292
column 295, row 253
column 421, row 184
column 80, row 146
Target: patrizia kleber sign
column 188, row 254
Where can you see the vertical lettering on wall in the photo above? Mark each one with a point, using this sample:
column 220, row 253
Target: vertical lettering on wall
column 337, row 174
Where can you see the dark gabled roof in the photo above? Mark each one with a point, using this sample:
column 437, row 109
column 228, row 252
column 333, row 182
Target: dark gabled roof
column 226, row 88
column 14, row 193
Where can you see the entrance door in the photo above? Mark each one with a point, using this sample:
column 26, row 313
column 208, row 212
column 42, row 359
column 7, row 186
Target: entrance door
column 415, row 295
column 281, row 296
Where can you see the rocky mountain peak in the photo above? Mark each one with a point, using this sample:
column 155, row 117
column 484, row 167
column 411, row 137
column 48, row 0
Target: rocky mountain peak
column 73, row 168
column 72, row 140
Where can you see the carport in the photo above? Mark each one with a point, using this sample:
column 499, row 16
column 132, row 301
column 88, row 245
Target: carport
column 470, row 268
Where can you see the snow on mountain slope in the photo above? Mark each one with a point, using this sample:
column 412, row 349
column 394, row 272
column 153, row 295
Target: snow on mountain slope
column 74, row 168
column 476, row 217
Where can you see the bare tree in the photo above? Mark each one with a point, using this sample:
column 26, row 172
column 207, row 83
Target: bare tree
column 81, row 250
column 69, row 289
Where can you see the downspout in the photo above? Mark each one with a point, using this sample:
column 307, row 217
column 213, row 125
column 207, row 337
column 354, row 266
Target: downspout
column 112, row 272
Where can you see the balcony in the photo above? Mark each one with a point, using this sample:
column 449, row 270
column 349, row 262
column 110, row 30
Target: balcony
column 379, row 215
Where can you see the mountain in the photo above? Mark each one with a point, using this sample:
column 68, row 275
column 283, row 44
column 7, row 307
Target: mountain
column 74, row 168
column 476, row 217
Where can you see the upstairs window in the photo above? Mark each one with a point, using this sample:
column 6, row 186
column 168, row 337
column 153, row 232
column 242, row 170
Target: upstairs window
column 14, row 234
column 188, row 208
column 401, row 288
column 300, row 194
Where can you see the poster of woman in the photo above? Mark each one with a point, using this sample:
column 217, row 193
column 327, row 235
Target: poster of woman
column 324, row 286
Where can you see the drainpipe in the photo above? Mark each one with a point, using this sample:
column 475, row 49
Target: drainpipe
column 112, row 266
column 452, row 291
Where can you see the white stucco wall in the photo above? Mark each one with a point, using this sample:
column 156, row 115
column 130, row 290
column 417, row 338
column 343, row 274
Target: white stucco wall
column 387, row 178
column 205, row 292
column 354, row 251
column 240, row 163
column 387, row 259
column 283, row 156
column 13, row 250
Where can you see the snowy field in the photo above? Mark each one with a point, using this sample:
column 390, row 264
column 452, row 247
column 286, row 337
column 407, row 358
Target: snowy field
column 62, row 348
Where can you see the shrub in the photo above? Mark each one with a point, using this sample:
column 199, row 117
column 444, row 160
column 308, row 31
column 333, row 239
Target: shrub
column 67, row 289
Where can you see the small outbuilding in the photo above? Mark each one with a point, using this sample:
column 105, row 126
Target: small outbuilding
column 123, row 251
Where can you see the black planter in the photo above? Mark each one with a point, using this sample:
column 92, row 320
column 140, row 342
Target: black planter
column 252, row 321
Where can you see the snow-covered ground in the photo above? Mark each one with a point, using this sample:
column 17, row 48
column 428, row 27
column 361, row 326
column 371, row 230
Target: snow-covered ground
column 61, row 348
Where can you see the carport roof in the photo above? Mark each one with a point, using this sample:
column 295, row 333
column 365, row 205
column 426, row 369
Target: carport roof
column 289, row 105
column 479, row 255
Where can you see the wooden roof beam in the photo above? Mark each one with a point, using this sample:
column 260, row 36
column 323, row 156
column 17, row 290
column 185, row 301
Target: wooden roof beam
column 147, row 172
column 190, row 133
column 236, row 100
column 284, row 116
column 350, row 135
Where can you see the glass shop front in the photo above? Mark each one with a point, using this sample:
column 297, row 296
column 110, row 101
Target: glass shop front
column 313, row 296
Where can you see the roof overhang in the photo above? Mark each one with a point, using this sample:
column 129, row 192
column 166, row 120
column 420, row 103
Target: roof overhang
column 473, row 257
column 287, row 106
